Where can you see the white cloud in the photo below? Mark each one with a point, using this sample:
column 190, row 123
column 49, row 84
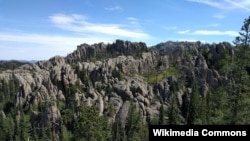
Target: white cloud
column 184, row 31
column 170, row 27
column 133, row 21
column 47, row 39
column 192, row 40
column 78, row 23
column 64, row 19
column 115, row 8
column 215, row 32
column 226, row 4
column 132, row 18
column 30, row 46
column 41, row 47
column 243, row 4
column 213, row 25
column 219, row 16
column 213, row 3
column 210, row 32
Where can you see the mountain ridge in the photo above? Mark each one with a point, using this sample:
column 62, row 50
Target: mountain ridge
column 113, row 77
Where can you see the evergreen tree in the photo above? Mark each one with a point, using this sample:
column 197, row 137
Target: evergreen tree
column 65, row 135
column 118, row 132
column 162, row 114
column 90, row 126
column 68, row 119
column 135, row 126
column 244, row 38
column 239, row 89
column 173, row 111
column 7, row 128
column 24, row 124
column 217, row 111
column 33, row 135
column 193, row 115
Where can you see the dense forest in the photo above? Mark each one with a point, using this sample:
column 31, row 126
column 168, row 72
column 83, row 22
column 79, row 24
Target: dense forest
column 113, row 92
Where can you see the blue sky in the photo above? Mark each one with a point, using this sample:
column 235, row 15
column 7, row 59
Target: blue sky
column 41, row 29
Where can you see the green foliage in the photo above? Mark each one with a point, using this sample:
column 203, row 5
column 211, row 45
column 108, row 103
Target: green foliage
column 118, row 132
column 7, row 94
column 90, row 126
column 99, row 87
column 117, row 74
column 135, row 128
column 65, row 134
column 93, row 59
column 244, row 108
column 75, row 88
column 33, row 133
column 61, row 104
column 223, row 65
column 243, row 39
column 23, row 125
column 10, row 65
column 9, row 108
column 161, row 115
column 239, row 88
column 44, row 133
column 217, row 108
column 68, row 119
column 138, row 53
column 82, row 74
column 99, row 56
column 194, row 106
column 108, row 89
column 7, row 128
column 188, row 56
column 157, row 76
column 32, row 85
column 174, row 111
column 111, row 110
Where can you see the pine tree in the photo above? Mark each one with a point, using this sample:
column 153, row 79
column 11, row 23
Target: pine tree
column 118, row 132
column 161, row 120
column 65, row 135
column 23, row 123
column 135, row 126
column 173, row 111
column 217, row 110
column 90, row 126
column 193, row 115
column 7, row 128
column 239, row 88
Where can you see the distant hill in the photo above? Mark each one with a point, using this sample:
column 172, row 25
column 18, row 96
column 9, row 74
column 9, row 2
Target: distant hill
column 13, row 64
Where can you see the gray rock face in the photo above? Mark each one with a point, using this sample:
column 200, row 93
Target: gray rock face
column 85, row 52
column 116, row 75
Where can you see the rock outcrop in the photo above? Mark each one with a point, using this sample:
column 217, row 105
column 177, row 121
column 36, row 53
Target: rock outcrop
column 114, row 75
